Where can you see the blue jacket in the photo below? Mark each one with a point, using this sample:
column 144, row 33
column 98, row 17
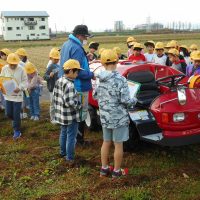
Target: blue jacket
column 72, row 49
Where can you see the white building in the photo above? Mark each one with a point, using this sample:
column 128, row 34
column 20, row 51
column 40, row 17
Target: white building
column 25, row 25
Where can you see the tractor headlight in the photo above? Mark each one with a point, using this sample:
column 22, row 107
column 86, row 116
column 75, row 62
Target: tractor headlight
column 178, row 117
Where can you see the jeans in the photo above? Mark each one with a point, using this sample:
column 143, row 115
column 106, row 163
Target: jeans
column 67, row 140
column 34, row 102
column 13, row 110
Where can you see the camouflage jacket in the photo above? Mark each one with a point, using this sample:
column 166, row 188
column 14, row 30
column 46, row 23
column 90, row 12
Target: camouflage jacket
column 113, row 98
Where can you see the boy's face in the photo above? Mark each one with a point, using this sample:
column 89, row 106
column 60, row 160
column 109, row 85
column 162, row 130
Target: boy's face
column 172, row 58
column 150, row 49
column 54, row 61
column 137, row 52
column 13, row 67
column 72, row 75
column 160, row 52
column 196, row 63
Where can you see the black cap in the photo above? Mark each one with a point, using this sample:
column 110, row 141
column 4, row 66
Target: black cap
column 81, row 30
column 93, row 45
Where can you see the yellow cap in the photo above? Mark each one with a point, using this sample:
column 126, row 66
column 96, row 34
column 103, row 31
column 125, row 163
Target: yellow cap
column 30, row 68
column 72, row 64
column 195, row 55
column 130, row 39
column 117, row 50
column 13, row 59
column 172, row 44
column 150, row 42
column 159, row 45
column 101, row 50
column 21, row 52
column 138, row 45
column 108, row 56
column 6, row 51
column 193, row 47
column 54, row 53
column 174, row 52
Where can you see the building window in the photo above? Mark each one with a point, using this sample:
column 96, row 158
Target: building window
column 42, row 19
column 18, row 35
column 7, row 19
column 43, row 33
column 3, row 28
column 22, row 28
column 18, row 28
column 42, row 27
column 9, row 28
column 31, row 19
column 31, row 28
column 32, row 34
column 22, row 19
column 38, row 34
column 16, row 19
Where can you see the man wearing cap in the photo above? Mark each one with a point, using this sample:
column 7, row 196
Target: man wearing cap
column 73, row 49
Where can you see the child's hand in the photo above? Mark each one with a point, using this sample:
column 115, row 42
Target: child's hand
column 51, row 74
column 17, row 90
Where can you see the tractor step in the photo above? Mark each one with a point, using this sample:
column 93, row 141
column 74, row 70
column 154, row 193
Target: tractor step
column 153, row 137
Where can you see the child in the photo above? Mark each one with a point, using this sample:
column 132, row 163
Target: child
column 14, row 100
column 34, row 90
column 130, row 42
column 51, row 76
column 119, row 53
column 160, row 57
column 67, row 108
column 113, row 98
column 3, row 57
column 194, row 69
column 93, row 47
column 50, row 62
column 150, row 45
column 23, row 56
column 137, row 55
column 177, row 64
column 183, row 50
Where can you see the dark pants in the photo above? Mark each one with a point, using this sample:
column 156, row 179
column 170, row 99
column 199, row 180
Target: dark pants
column 13, row 110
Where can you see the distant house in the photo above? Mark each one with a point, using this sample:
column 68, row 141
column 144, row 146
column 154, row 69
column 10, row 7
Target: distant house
column 25, row 25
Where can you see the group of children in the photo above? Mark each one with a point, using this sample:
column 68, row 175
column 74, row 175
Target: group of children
column 112, row 93
column 174, row 55
column 27, row 89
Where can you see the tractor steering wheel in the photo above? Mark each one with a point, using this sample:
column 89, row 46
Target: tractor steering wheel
column 170, row 81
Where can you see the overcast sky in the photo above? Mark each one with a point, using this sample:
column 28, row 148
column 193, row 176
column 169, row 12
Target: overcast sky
column 101, row 14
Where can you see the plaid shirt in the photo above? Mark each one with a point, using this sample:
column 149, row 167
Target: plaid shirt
column 66, row 102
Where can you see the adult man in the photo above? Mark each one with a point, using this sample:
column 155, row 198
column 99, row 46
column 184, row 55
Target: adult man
column 73, row 49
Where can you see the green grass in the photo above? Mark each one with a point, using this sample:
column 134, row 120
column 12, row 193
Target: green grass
column 31, row 168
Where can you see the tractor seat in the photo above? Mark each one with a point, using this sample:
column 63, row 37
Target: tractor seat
column 148, row 90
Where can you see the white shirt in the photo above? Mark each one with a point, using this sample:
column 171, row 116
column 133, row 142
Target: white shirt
column 22, row 81
column 149, row 57
column 160, row 60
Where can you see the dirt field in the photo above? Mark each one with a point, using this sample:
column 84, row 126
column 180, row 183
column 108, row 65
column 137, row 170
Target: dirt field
column 31, row 168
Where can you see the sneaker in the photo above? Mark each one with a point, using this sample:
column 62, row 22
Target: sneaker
column 36, row 118
column 106, row 172
column 120, row 173
column 17, row 134
column 32, row 118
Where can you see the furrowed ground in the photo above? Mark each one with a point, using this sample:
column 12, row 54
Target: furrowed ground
column 31, row 168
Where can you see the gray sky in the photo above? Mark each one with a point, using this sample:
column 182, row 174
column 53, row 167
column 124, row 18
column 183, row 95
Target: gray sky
column 100, row 15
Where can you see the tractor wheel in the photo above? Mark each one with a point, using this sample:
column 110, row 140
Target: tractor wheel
column 132, row 143
column 92, row 121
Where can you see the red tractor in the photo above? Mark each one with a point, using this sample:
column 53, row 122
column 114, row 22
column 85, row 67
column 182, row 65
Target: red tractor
column 167, row 111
